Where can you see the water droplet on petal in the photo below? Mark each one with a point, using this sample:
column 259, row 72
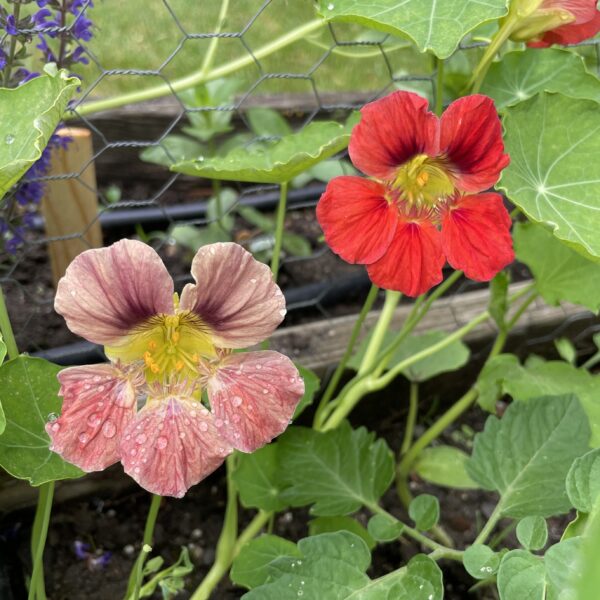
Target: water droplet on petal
column 282, row 312
column 100, row 388
column 141, row 438
column 133, row 452
column 55, row 427
column 83, row 437
column 236, row 418
column 182, row 434
column 218, row 422
column 236, row 401
column 161, row 442
column 203, row 426
column 94, row 420
column 109, row 429
column 265, row 391
column 258, row 367
column 136, row 470
column 97, row 378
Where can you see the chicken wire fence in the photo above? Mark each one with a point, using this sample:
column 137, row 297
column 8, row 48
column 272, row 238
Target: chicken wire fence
column 153, row 198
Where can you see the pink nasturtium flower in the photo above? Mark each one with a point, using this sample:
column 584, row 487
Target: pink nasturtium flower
column 423, row 203
column 547, row 22
column 144, row 408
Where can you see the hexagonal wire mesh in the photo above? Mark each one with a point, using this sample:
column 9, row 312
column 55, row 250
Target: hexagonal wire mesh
column 334, row 71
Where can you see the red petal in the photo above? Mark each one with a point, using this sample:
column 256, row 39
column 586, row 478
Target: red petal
column 392, row 130
column 357, row 220
column 98, row 403
column 569, row 34
column 234, row 294
column 171, row 445
column 582, row 10
column 476, row 236
column 413, row 263
column 471, row 138
column 253, row 396
column 106, row 292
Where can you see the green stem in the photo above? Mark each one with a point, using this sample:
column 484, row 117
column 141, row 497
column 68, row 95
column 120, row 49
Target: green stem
column 214, row 42
column 412, row 417
column 281, row 208
column 381, row 328
column 41, row 530
column 198, row 76
column 591, row 362
column 489, row 526
column 439, row 87
column 13, row 46
column 135, row 578
column 341, row 367
column 486, row 60
column 6, row 329
column 222, row 564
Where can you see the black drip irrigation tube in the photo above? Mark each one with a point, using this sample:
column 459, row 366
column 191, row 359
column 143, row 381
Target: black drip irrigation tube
column 323, row 293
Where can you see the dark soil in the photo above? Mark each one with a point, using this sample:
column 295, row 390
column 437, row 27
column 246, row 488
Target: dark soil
column 114, row 522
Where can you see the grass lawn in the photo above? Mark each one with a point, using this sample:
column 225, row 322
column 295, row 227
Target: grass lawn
column 143, row 34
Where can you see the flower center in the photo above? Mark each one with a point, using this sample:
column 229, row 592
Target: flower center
column 168, row 345
column 424, row 180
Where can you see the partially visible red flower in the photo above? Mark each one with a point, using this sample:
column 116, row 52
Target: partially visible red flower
column 558, row 22
column 422, row 204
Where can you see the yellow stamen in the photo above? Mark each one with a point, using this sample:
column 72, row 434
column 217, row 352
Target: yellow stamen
column 423, row 181
column 151, row 345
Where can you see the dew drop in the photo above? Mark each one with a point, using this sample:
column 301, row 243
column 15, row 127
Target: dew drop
column 258, row 367
column 133, row 452
column 94, row 420
column 97, row 378
column 282, row 312
column 55, row 427
column 236, row 418
column 300, row 592
column 100, row 388
column 161, row 442
column 265, row 391
column 253, row 280
column 330, row 6
column 182, row 434
column 52, row 417
column 9, row 139
column 83, row 437
column 136, row 470
column 203, row 426
column 236, row 401
column 141, row 438
column 218, row 422
column 87, row 386
column 73, row 293
column 109, row 429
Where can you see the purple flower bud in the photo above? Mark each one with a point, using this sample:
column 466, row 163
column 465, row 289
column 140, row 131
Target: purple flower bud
column 99, row 562
column 11, row 25
column 82, row 550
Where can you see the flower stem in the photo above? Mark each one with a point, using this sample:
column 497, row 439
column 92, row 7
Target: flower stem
column 135, row 578
column 38, row 542
column 439, row 86
column 281, row 208
column 339, row 371
column 222, row 564
column 413, row 406
column 6, row 329
column 199, row 76
column 13, row 46
column 381, row 328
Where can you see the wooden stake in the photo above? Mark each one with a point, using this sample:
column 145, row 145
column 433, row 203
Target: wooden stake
column 70, row 206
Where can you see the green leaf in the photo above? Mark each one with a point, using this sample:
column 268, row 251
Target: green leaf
column 532, row 533
column 170, row 580
column 432, row 25
column 332, row 566
column 174, row 148
column 563, row 571
column 331, row 524
column 521, row 576
column 312, row 383
column 279, row 161
column 29, row 397
column 450, row 358
column 250, row 566
column 193, row 238
column 337, row 471
column 224, row 205
column 445, row 466
column 2, row 356
column 2, row 350
column 257, row 481
column 550, row 139
column 267, row 122
column 560, row 272
column 583, row 481
column 295, row 244
column 481, row 561
column 385, row 528
column 489, row 384
column 498, row 305
column 526, row 455
column 522, row 74
column 257, row 218
column 424, row 510
column 589, row 581
column 31, row 113
column 566, row 349
column 576, row 527
column 554, row 378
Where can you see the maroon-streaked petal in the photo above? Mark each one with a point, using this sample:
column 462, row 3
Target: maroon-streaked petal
column 414, row 261
column 106, row 292
column 391, row 131
column 171, row 445
column 99, row 401
column 471, row 140
column 234, row 294
column 358, row 222
column 253, row 396
column 476, row 236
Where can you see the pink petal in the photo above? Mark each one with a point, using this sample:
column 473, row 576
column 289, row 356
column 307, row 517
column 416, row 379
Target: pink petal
column 253, row 396
column 108, row 291
column 99, row 401
column 234, row 294
column 171, row 445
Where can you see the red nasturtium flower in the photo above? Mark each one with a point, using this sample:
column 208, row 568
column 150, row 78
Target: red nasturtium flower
column 426, row 174
column 547, row 22
column 144, row 408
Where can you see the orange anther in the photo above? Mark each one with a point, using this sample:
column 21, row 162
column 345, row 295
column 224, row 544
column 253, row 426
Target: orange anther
column 154, row 368
column 422, row 178
column 151, row 345
column 175, row 337
column 179, row 365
